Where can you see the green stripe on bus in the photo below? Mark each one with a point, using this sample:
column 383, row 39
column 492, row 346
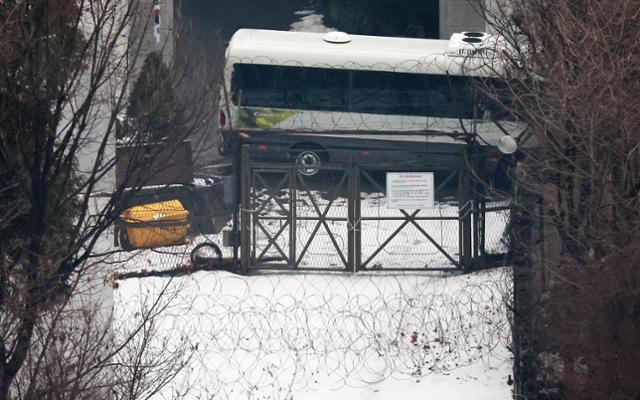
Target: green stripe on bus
column 265, row 118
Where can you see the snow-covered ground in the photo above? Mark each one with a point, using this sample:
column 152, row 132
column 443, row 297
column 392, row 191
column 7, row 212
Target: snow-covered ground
column 283, row 336
column 371, row 335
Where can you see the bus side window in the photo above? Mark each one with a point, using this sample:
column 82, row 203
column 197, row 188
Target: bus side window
column 492, row 97
column 289, row 85
column 255, row 82
column 236, row 85
column 329, row 89
column 321, row 89
column 387, row 93
column 449, row 96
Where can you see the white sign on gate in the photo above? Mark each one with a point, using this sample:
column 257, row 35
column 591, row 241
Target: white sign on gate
column 410, row 190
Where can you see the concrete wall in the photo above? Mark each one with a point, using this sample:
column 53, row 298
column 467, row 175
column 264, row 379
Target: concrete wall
column 203, row 141
column 458, row 16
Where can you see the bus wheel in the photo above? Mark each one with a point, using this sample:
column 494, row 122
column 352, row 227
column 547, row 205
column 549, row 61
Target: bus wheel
column 308, row 162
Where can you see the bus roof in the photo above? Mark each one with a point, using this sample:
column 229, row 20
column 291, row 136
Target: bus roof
column 309, row 49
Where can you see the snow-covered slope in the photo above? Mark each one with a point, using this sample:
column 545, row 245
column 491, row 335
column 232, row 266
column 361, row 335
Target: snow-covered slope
column 378, row 336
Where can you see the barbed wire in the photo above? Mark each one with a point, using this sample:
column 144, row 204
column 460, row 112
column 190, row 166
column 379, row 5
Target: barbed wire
column 267, row 336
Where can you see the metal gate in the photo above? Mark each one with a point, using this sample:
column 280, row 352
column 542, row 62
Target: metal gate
column 339, row 219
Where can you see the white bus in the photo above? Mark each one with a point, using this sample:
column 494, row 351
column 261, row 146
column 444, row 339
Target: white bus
column 308, row 88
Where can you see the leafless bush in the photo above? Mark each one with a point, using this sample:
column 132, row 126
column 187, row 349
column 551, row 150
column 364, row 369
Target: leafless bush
column 572, row 72
column 80, row 352
column 573, row 79
column 65, row 75
column 592, row 325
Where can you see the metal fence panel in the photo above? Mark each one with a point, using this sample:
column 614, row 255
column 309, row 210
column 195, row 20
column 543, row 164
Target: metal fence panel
column 339, row 219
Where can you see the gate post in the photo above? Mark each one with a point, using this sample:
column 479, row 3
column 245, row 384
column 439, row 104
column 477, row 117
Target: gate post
column 293, row 217
column 245, row 207
column 354, row 242
column 479, row 195
column 465, row 210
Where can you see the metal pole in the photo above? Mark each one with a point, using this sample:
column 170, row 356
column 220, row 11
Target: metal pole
column 293, row 211
column 353, row 224
column 465, row 198
column 357, row 217
column 236, row 202
column 245, row 215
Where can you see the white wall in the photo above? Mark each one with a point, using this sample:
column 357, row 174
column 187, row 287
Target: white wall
column 142, row 32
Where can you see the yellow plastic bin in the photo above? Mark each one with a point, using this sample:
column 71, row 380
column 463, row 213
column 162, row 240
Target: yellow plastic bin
column 156, row 224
